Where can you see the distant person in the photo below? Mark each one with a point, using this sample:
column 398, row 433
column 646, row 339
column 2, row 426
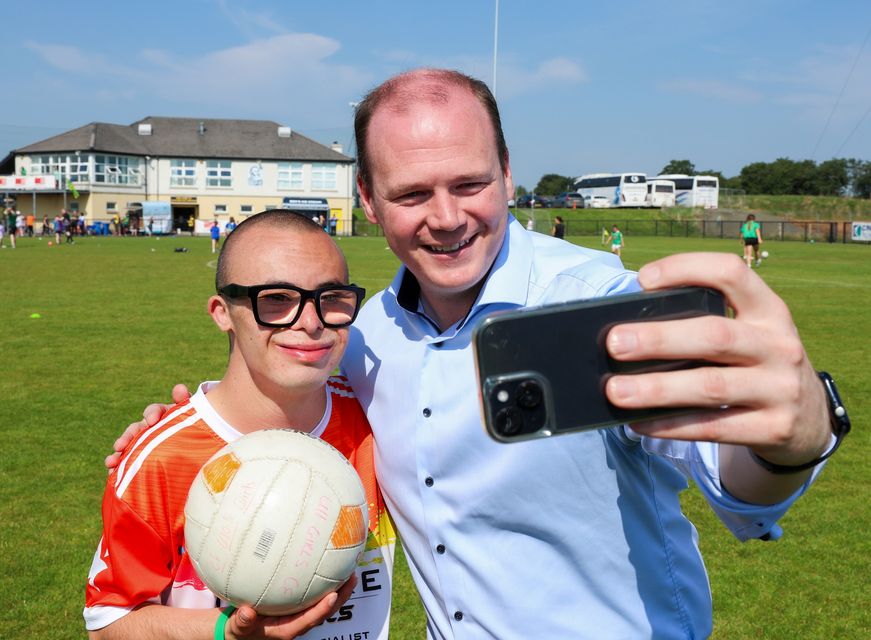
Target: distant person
column 751, row 234
column 10, row 225
column 530, row 225
column 192, row 224
column 46, row 226
column 334, row 221
column 228, row 228
column 559, row 228
column 20, row 224
column 616, row 237
column 116, row 225
column 2, row 231
column 150, row 226
column 58, row 228
column 83, row 223
column 68, row 227
column 30, row 221
column 215, row 233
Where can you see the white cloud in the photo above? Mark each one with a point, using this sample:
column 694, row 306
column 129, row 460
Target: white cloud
column 727, row 92
column 289, row 74
column 73, row 59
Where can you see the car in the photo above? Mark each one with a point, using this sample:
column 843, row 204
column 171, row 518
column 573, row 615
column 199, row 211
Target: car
column 530, row 200
column 596, row 202
column 568, row 200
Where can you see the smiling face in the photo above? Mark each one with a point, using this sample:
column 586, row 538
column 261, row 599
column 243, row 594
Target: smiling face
column 439, row 192
column 286, row 362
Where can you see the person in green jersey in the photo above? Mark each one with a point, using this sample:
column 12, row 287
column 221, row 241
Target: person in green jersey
column 616, row 240
column 751, row 234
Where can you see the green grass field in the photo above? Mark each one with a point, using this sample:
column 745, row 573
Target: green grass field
column 122, row 319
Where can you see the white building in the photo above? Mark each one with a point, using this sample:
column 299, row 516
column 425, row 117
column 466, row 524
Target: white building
column 206, row 168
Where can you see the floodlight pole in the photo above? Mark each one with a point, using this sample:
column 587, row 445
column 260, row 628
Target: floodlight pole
column 495, row 44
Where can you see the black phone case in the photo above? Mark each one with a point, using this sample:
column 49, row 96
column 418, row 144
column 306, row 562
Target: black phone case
column 542, row 371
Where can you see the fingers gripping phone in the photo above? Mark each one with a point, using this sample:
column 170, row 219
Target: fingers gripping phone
column 542, row 371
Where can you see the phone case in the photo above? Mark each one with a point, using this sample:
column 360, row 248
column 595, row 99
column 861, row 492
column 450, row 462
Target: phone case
column 542, row 371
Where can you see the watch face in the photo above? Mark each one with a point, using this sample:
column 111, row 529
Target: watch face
column 837, row 411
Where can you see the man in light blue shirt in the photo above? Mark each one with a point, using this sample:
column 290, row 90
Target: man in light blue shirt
column 581, row 535
column 578, row 536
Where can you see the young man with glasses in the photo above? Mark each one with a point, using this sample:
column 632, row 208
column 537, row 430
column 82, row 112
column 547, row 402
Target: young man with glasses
column 283, row 351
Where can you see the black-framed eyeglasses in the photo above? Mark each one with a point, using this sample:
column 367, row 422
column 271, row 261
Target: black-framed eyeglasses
column 280, row 305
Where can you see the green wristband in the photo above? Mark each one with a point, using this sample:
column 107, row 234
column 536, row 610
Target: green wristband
column 221, row 622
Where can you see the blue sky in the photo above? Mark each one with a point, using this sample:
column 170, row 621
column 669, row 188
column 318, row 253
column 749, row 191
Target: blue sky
column 583, row 86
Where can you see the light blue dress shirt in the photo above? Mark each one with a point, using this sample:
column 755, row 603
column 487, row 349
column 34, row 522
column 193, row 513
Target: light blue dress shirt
column 575, row 536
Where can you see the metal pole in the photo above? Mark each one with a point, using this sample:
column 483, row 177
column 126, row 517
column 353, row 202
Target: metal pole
column 495, row 44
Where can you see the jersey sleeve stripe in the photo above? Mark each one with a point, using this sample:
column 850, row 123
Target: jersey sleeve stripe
column 143, row 437
column 130, row 473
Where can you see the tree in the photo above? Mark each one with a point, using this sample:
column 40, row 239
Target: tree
column 756, row 178
column 832, row 177
column 860, row 178
column 684, row 167
column 551, row 184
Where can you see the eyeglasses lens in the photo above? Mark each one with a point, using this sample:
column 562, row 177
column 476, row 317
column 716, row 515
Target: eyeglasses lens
column 281, row 306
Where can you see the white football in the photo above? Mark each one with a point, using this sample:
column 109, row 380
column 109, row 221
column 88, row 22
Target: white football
column 276, row 520
column 764, row 254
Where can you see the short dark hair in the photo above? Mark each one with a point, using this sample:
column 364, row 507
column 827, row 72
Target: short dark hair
column 429, row 85
column 278, row 218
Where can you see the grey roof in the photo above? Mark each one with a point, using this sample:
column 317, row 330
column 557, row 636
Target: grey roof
column 181, row 138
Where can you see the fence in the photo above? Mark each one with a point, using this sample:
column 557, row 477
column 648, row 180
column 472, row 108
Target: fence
column 798, row 230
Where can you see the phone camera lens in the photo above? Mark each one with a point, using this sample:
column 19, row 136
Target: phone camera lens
column 529, row 394
column 509, row 421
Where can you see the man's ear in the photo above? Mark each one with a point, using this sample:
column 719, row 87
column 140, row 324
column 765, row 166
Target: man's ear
column 366, row 201
column 220, row 312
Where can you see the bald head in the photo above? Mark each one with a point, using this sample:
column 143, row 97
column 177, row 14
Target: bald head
column 400, row 93
column 277, row 219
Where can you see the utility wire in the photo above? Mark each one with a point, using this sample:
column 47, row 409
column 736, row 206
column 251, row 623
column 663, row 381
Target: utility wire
column 841, row 95
column 861, row 120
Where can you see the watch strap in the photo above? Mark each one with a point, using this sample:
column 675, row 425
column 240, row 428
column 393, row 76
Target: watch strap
column 840, row 427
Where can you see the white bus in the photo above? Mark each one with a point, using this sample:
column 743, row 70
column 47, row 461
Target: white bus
column 660, row 193
column 621, row 189
column 694, row 191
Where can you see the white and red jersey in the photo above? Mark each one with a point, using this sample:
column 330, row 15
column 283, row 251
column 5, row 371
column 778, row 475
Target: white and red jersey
column 141, row 556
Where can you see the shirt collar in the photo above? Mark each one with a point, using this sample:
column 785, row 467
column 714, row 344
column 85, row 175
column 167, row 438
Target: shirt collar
column 506, row 283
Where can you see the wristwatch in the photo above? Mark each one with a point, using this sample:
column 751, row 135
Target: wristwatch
column 840, row 427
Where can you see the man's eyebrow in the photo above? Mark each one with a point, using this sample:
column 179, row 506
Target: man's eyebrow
column 320, row 285
column 411, row 187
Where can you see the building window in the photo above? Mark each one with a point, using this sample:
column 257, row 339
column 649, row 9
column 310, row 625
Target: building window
column 290, row 175
column 220, row 208
column 69, row 167
column 323, row 176
column 219, row 173
column 182, row 172
column 117, row 170
column 111, row 207
column 246, row 208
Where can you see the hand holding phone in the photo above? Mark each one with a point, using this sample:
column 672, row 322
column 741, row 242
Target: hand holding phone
column 542, row 371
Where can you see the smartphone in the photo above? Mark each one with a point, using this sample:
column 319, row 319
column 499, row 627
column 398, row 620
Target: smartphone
column 542, row 371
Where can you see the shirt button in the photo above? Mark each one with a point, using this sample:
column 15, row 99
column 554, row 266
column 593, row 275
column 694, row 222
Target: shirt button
column 429, row 482
column 458, row 615
column 440, row 548
column 427, row 413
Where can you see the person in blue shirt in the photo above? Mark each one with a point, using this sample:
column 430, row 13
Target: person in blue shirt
column 579, row 535
column 215, row 233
